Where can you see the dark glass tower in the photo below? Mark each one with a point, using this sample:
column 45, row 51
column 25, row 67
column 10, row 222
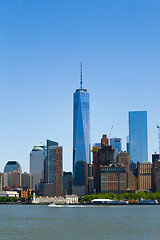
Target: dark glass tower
column 53, row 167
column 81, row 135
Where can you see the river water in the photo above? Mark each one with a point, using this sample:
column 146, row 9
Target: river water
column 92, row 222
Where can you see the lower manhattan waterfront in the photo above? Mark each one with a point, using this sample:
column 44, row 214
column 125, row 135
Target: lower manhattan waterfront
column 82, row 222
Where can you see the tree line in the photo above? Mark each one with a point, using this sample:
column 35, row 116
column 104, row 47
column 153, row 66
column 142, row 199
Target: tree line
column 132, row 197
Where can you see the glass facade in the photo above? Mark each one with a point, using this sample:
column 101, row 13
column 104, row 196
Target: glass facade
column 116, row 144
column 138, row 144
column 81, row 136
column 53, row 167
column 51, row 161
column 12, row 166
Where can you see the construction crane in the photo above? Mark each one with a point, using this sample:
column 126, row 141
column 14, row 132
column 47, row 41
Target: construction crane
column 158, row 127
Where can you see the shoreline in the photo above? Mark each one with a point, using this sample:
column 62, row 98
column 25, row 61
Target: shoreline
column 79, row 204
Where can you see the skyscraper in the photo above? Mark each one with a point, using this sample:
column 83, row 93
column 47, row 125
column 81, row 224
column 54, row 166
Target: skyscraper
column 81, row 135
column 53, row 168
column 138, row 146
column 37, row 157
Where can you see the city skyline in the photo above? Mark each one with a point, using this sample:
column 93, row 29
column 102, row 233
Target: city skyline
column 42, row 45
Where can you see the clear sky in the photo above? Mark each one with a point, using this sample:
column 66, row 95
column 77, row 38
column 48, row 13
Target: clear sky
column 41, row 46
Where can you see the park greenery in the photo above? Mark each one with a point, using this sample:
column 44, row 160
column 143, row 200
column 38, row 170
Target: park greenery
column 14, row 199
column 10, row 199
column 132, row 197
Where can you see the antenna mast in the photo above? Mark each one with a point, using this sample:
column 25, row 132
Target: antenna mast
column 81, row 76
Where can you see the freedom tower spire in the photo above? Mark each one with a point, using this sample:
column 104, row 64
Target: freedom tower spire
column 81, row 136
column 81, row 77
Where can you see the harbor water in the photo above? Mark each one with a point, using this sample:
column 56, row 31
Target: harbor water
column 84, row 222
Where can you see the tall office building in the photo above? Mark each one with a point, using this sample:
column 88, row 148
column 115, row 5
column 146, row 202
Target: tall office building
column 37, row 157
column 53, row 169
column 138, row 146
column 81, row 135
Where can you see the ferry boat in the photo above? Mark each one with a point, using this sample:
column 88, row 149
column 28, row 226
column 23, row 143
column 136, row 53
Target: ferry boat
column 109, row 202
column 147, row 202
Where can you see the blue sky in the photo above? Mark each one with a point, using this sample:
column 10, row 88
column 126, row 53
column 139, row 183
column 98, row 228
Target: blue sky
column 41, row 46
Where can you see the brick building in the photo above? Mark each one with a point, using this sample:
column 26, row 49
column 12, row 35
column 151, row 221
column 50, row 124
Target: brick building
column 113, row 179
column 123, row 159
column 144, row 176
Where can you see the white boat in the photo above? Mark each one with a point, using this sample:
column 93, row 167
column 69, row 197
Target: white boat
column 109, row 202
column 54, row 205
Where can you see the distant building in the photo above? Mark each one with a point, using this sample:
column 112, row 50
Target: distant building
column 116, row 144
column 127, row 144
column 123, row 160
column 144, row 176
column 53, row 168
column 104, row 157
column 1, row 182
column 26, row 180
column 89, row 179
column 9, row 194
column 138, row 144
column 131, row 186
column 104, row 140
column 155, row 177
column 133, row 166
column 12, row 166
column 37, row 157
column 157, row 174
column 71, row 199
column 81, row 138
column 4, row 180
column 95, row 149
column 155, row 157
column 67, row 183
column 112, row 179
column 23, row 194
column 14, row 179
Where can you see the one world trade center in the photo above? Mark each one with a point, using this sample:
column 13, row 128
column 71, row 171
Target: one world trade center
column 81, row 135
